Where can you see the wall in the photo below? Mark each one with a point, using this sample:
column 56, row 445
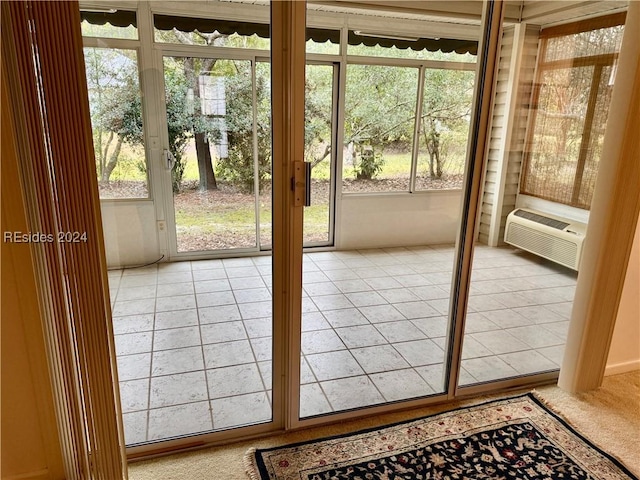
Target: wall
column 403, row 219
column 130, row 234
column 30, row 447
column 624, row 353
column 504, row 160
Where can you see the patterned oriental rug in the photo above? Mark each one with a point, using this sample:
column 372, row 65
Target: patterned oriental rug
column 512, row 438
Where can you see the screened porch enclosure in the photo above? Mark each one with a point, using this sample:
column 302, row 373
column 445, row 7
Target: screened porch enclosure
column 186, row 190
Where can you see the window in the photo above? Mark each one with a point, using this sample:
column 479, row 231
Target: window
column 444, row 128
column 116, row 119
column 570, row 105
column 380, row 113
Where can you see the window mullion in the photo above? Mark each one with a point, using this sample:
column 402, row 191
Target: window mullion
column 416, row 131
column 586, row 134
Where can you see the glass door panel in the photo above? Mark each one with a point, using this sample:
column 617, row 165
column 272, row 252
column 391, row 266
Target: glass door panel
column 211, row 142
column 535, row 209
column 320, row 108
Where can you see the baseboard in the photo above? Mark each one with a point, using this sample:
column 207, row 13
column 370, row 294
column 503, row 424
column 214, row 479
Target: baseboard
column 623, row 367
column 36, row 475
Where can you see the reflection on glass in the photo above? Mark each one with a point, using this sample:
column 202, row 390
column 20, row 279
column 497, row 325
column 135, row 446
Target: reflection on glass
column 525, row 265
column 116, row 121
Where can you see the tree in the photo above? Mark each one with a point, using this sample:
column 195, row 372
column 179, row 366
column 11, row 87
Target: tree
column 446, row 107
column 114, row 100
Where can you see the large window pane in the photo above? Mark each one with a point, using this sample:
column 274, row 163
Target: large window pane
column 444, row 128
column 210, row 123
column 116, row 120
column 378, row 129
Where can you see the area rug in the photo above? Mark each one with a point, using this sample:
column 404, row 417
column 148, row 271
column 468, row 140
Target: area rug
column 511, row 438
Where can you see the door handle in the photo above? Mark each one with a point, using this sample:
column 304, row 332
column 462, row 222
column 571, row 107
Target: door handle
column 169, row 159
column 301, row 184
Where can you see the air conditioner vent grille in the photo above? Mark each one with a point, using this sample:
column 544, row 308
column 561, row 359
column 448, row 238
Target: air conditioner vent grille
column 543, row 244
column 534, row 217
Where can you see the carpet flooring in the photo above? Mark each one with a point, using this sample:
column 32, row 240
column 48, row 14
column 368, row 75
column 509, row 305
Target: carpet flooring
column 512, row 438
column 608, row 416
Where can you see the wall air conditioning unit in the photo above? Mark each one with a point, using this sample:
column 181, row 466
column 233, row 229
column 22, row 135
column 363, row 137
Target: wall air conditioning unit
column 554, row 238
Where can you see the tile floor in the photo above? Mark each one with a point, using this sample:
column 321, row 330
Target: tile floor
column 193, row 339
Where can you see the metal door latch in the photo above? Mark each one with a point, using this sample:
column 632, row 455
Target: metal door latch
column 301, row 184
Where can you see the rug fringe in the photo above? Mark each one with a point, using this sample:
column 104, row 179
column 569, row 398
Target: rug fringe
column 249, row 463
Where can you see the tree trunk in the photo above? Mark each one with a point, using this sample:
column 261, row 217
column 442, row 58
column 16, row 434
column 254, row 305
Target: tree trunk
column 113, row 160
column 205, row 166
column 104, row 154
column 203, row 152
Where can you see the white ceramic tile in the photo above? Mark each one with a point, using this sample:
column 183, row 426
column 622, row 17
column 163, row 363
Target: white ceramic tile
column 255, row 310
column 313, row 401
column 207, row 275
column 345, row 318
column 485, row 369
column 222, row 313
column 499, row 341
column 321, row 341
column 172, row 289
column 241, row 410
column 181, row 318
column 134, row 395
column 379, row 358
column 252, row 295
column 174, row 277
column 243, row 283
column 418, row 309
column 133, row 367
column 381, row 313
column 353, row 285
column 401, row 385
column 137, row 293
column 432, row 327
column 222, row 332
column 536, row 336
column 400, row 331
column 176, row 338
column 179, row 360
column 130, row 343
column 179, row 420
column 258, row 327
column 215, row 299
column 420, row 352
column 332, row 302
column 133, row 323
column 177, row 389
column 262, row 348
column 353, row 392
column 234, row 380
column 528, row 362
column 321, row 288
column 330, row 365
column 135, row 427
column 360, row 336
column 207, row 286
column 178, row 302
column 134, row 307
column 226, row 354
column 315, row 321
column 366, row 299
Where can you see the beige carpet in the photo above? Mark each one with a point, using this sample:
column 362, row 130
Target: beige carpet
column 609, row 417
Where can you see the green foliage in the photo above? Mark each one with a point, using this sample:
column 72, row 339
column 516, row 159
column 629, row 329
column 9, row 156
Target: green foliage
column 238, row 167
column 369, row 164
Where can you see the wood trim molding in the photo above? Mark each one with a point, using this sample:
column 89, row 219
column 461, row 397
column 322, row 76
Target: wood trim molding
column 612, row 224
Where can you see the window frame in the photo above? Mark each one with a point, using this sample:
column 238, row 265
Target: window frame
column 599, row 62
column 134, row 45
